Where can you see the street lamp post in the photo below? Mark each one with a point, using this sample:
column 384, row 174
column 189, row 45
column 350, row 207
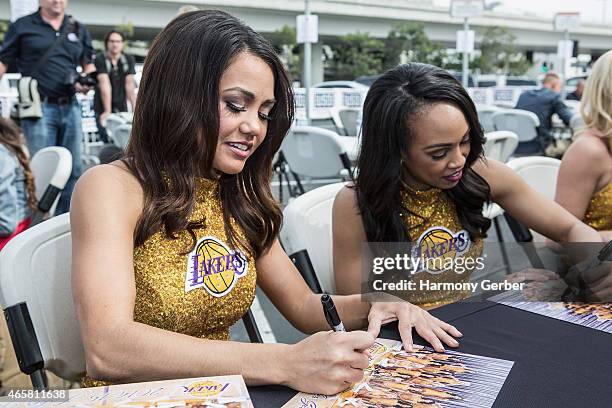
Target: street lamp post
column 307, row 67
column 465, row 39
column 466, row 55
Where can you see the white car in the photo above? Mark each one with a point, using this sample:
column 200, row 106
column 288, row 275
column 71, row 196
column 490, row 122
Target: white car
column 341, row 84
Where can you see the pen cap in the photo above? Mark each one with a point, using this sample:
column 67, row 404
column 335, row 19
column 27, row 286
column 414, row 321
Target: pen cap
column 325, row 301
column 329, row 309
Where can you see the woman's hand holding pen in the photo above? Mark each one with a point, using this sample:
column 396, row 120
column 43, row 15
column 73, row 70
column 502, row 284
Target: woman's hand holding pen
column 430, row 328
column 327, row 362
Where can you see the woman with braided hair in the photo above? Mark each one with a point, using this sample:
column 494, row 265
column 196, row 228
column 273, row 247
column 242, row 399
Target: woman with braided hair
column 17, row 197
column 17, row 201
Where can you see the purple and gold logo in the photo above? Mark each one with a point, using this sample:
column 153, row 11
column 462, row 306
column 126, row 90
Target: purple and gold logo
column 438, row 248
column 215, row 267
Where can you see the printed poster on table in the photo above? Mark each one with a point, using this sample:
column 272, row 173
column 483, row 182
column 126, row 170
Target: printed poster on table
column 597, row 316
column 422, row 378
column 218, row 392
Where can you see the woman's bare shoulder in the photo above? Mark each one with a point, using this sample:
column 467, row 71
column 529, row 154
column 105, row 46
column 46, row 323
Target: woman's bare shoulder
column 346, row 198
column 108, row 189
column 588, row 146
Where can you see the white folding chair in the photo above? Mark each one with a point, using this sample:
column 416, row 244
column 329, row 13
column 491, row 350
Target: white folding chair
column 576, row 122
column 541, row 174
column 314, row 152
column 329, row 121
column 485, row 115
column 349, row 121
column 113, row 121
column 525, row 124
column 36, row 296
column 500, row 145
column 121, row 136
column 306, row 236
column 573, row 105
column 51, row 168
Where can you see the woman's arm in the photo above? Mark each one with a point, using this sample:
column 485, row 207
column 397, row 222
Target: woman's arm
column 348, row 238
column 105, row 207
column 283, row 284
column 531, row 208
column 8, row 194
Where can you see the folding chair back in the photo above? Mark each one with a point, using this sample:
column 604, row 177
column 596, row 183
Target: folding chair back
column 524, row 124
column 51, row 167
column 500, row 145
column 315, row 152
column 541, row 174
column 485, row 116
column 36, row 295
column 307, row 236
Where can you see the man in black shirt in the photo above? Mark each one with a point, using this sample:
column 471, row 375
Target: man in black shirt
column 28, row 39
column 115, row 71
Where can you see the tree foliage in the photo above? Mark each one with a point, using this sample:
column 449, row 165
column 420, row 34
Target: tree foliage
column 3, row 29
column 499, row 54
column 356, row 55
column 284, row 41
column 126, row 28
column 408, row 42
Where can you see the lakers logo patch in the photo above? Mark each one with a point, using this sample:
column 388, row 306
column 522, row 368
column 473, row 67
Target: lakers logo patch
column 213, row 266
column 438, row 248
column 205, row 388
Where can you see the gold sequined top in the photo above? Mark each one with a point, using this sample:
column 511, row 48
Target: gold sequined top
column 201, row 293
column 432, row 223
column 599, row 213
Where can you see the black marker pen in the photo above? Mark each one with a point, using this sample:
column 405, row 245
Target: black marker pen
column 331, row 314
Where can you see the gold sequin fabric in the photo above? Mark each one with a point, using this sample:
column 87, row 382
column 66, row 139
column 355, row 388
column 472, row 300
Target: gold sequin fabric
column 201, row 293
column 599, row 212
column 431, row 216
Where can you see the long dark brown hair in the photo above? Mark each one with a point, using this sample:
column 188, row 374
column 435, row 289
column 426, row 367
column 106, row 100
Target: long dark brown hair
column 176, row 127
column 11, row 137
column 392, row 106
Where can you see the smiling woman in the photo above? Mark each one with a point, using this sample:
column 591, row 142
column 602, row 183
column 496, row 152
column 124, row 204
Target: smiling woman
column 423, row 179
column 188, row 227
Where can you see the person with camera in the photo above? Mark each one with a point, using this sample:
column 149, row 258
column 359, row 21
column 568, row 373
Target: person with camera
column 115, row 74
column 47, row 47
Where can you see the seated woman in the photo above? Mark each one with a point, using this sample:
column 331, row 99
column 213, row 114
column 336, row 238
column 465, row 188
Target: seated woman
column 170, row 242
column 17, row 202
column 17, row 195
column 584, row 186
column 423, row 178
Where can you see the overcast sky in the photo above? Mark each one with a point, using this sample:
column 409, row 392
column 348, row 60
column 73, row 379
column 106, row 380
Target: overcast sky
column 590, row 10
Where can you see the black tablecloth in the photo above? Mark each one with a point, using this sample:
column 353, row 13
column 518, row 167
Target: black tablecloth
column 556, row 364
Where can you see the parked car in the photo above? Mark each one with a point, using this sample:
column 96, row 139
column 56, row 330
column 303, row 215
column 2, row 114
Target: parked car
column 341, row 84
column 521, row 81
column 572, row 82
column 367, row 80
column 459, row 77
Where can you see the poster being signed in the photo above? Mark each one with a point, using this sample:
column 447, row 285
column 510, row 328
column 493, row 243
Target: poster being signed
column 219, row 392
column 420, row 379
column 597, row 316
